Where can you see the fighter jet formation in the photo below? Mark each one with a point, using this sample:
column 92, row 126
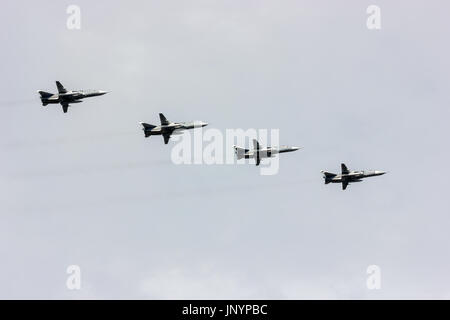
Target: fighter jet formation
column 65, row 97
column 168, row 129
column 347, row 176
column 259, row 153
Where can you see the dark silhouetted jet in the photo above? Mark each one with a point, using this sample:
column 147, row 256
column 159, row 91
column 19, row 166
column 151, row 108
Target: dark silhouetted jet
column 65, row 97
column 167, row 128
column 347, row 176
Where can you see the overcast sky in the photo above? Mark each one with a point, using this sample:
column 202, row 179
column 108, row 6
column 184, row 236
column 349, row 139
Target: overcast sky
column 86, row 188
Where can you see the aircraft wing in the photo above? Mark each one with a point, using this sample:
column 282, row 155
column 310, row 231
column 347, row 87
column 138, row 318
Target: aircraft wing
column 166, row 137
column 257, row 157
column 163, row 119
column 344, row 169
column 65, row 106
column 344, row 185
column 61, row 88
column 255, row 144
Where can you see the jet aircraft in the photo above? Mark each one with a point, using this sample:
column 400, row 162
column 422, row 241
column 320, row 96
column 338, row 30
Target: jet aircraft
column 347, row 176
column 259, row 153
column 167, row 128
column 65, row 97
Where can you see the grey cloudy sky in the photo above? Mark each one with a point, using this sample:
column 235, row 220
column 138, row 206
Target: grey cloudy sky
column 86, row 188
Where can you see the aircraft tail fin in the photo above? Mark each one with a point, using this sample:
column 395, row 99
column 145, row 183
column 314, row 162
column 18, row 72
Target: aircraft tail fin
column 328, row 176
column 240, row 152
column 147, row 127
column 45, row 94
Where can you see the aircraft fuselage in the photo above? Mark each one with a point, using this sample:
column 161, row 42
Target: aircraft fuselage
column 354, row 176
column 70, row 97
column 172, row 128
column 268, row 152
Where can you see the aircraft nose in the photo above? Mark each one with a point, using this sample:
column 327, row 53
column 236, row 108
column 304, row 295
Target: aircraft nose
column 204, row 124
column 295, row 148
column 380, row 172
column 101, row 92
